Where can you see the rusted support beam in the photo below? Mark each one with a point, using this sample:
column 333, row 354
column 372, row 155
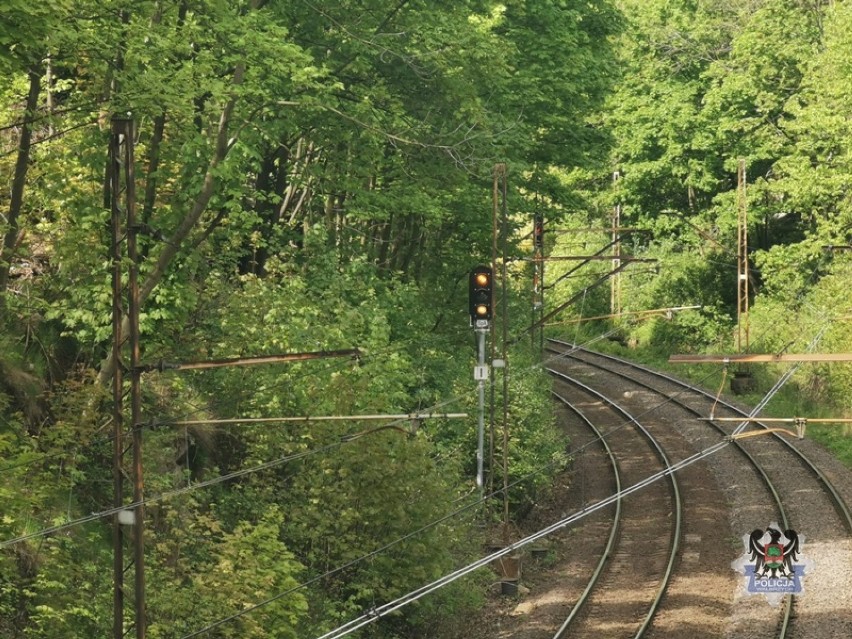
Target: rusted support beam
column 309, row 418
column 627, row 229
column 250, row 361
column 575, row 297
column 758, row 358
column 781, row 420
column 653, row 311
column 573, row 258
column 768, row 431
column 576, row 268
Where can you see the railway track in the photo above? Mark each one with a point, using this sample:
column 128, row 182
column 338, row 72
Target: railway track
column 744, row 486
column 643, row 539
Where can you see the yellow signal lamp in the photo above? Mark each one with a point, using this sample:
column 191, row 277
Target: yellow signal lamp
column 480, row 298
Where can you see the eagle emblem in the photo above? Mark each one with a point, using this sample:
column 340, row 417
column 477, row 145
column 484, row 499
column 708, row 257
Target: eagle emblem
column 774, row 559
column 773, row 563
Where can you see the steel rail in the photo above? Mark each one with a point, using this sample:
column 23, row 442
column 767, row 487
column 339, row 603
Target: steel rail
column 838, row 502
column 676, row 498
column 616, row 523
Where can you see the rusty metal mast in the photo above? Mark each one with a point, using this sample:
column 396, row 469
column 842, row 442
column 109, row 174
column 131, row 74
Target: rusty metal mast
column 113, row 199
column 615, row 283
column 122, row 203
column 742, row 260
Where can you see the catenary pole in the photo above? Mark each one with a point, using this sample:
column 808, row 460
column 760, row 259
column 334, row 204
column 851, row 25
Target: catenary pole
column 113, row 201
column 504, row 319
column 135, row 390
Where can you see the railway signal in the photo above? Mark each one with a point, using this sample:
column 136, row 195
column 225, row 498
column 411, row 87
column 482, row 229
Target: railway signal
column 480, row 306
column 480, row 296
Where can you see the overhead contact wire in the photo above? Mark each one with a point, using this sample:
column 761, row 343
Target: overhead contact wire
column 478, row 502
column 414, row 595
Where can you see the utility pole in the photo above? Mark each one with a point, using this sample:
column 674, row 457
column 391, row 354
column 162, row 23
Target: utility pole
column 615, row 283
column 499, row 174
column 113, row 198
column 500, row 203
column 742, row 260
column 742, row 381
column 122, row 193
column 538, row 277
column 135, row 394
column 480, row 375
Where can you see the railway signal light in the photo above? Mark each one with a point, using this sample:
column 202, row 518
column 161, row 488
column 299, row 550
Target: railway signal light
column 481, row 296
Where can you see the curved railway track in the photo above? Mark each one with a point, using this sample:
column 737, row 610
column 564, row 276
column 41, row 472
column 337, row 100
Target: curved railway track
column 614, row 525
column 635, row 543
column 758, row 481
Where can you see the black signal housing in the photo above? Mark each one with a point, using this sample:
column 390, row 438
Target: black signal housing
column 481, row 294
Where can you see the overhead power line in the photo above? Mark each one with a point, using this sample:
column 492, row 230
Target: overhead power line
column 430, row 525
column 380, row 611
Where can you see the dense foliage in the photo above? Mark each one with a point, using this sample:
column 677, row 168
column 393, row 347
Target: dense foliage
column 707, row 84
column 309, row 176
column 318, row 176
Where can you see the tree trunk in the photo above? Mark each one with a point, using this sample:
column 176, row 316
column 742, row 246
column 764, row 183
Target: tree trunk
column 153, row 167
column 420, row 252
column 181, row 233
column 384, row 240
column 411, row 246
column 151, row 177
column 10, row 239
column 172, row 246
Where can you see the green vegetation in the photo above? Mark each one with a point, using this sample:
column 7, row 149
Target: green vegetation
column 704, row 85
column 309, row 177
column 318, row 176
